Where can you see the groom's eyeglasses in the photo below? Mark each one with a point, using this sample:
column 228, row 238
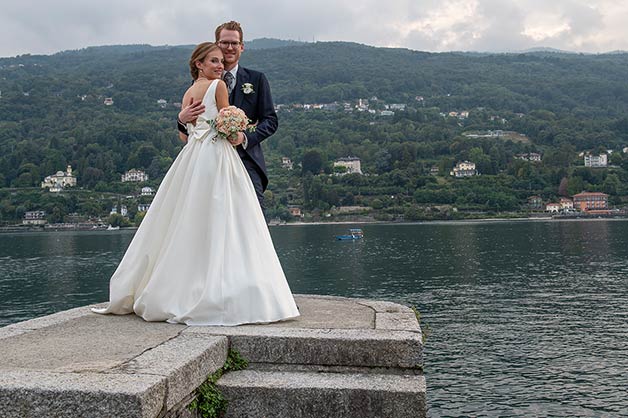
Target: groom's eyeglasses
column 227, row 44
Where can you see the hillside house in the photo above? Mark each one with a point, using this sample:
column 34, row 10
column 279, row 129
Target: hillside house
column 352, row 164
column 134, row 175
column 464, row 169
column 147, row 191
column 295, row 211
column 56, row 182
column 286, row 163
column 596, row 160
column 530, row 156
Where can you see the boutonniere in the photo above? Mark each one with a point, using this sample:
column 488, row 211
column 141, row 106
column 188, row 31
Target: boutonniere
column 247, row 88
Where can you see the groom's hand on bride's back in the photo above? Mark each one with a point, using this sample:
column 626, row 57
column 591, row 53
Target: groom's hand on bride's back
column 190, row 111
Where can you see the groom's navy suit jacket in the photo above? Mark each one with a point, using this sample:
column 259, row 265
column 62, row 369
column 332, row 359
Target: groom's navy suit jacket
column 258, row 106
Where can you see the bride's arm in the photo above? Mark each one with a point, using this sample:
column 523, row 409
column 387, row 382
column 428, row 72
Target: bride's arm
column 222, row 95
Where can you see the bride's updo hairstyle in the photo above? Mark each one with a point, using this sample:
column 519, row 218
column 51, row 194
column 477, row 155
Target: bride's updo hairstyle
column 199, row 54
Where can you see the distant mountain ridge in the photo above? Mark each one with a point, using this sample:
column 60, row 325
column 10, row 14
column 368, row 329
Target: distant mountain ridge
column 544, row 49
column 272, row 43
column 266, row 43
column 260, row 43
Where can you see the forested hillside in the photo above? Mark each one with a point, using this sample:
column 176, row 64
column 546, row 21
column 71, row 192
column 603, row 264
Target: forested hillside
column 52, row 114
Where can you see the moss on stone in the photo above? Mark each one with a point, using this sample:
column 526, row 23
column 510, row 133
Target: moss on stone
column 209, row 402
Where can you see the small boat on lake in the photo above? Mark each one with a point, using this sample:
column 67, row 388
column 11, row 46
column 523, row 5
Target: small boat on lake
column 112, row 228
column 354, row 234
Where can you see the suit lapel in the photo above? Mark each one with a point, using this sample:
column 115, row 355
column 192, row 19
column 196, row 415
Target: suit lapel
column 237, row 95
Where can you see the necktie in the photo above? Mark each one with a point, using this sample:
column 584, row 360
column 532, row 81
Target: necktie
column 229, row 81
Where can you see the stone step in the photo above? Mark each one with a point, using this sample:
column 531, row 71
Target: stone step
column 341, row 358
column 357, row 348
column 258, row 394
column 329, row 334
column 101, row 367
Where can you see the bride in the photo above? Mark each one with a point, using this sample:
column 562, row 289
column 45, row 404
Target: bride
column 203, row 254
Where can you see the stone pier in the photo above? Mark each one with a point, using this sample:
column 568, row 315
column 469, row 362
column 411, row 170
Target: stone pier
column 342, row 358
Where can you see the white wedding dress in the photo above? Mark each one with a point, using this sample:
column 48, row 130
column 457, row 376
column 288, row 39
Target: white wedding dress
column 203, row 254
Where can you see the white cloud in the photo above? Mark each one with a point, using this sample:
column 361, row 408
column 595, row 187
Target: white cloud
column 38, row 26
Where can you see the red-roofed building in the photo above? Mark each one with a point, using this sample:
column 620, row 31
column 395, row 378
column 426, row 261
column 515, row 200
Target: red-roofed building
column 590, row 201
column 295, row 211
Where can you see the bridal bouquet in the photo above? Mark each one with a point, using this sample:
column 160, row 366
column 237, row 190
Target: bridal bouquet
column 230, row 121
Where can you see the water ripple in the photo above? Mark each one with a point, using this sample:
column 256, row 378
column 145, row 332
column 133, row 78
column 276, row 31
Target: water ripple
column 527, row 319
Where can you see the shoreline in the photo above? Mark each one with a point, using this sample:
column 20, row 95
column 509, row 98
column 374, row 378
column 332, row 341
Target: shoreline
column 26, row 229
column 21, row 229
column 453, row 221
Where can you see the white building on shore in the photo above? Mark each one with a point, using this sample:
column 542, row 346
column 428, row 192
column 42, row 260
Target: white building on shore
column 552, row 207
column 566, row 203
column 35, row 217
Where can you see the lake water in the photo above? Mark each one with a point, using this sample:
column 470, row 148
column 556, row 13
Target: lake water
column 526, row 318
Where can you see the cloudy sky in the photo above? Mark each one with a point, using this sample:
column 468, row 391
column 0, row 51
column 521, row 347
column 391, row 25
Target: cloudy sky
column 48, row 26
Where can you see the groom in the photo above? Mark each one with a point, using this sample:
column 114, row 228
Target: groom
column 249, row 90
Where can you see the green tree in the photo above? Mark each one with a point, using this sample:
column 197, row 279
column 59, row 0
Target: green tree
column 139, row 217
column 143, row 156
column 575, row 185
column 24, row 180
column 118, row 220
column 383, row 161
column 91, row 176
column 611, row 184
column 312, row 162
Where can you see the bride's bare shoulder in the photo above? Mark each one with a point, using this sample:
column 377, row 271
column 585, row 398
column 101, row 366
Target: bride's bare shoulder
column 198, row 89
